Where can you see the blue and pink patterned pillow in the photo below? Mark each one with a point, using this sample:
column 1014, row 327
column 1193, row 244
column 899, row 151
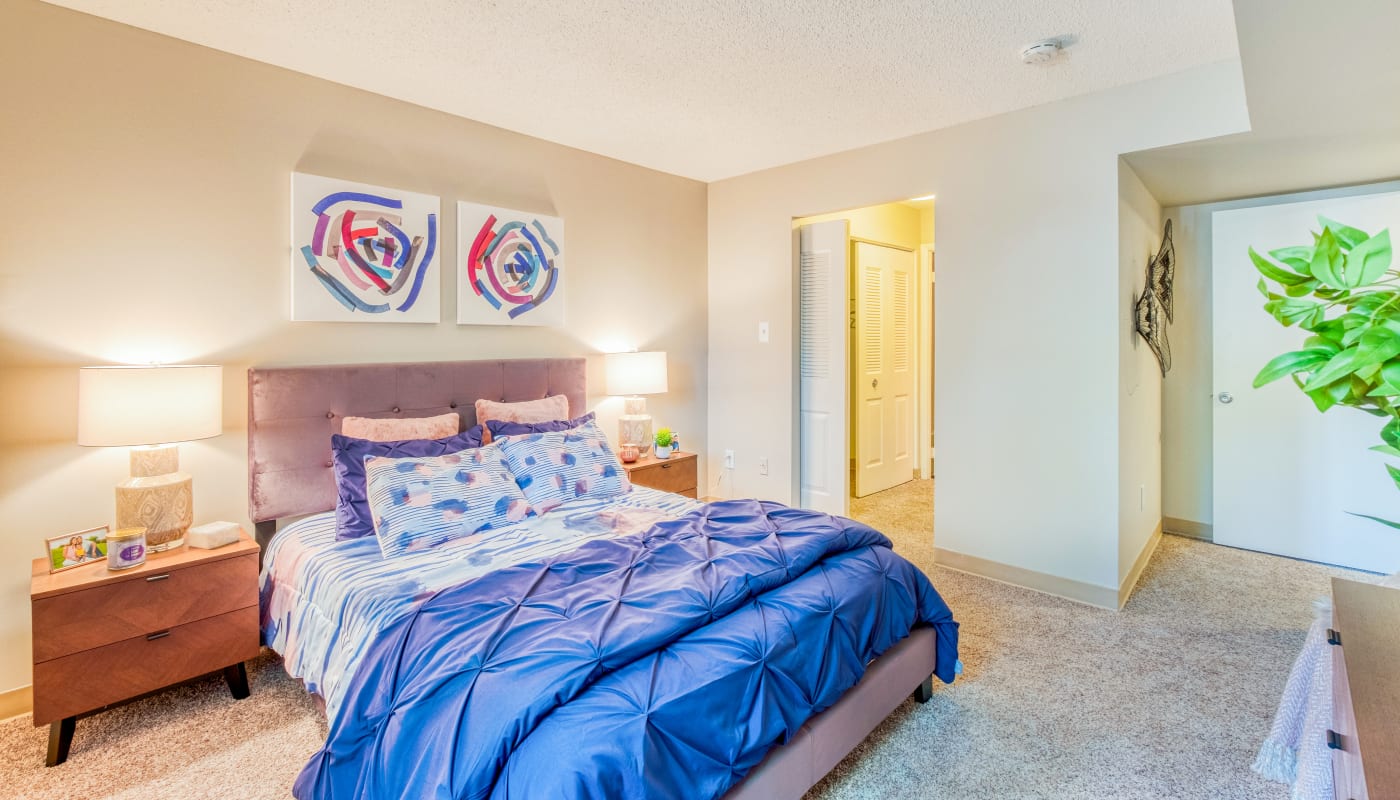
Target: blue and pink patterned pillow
column 555, row 467
column 352, row 516
column 421, row 503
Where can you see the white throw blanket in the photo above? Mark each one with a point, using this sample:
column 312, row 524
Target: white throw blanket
column 1296, row 750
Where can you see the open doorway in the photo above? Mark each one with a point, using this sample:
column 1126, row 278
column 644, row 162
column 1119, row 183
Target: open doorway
column 866, row 290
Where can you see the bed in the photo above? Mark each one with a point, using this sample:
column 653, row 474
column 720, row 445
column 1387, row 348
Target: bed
column 382, row 641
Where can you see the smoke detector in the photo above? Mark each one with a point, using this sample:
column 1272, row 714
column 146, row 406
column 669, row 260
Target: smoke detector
column 1040, row 52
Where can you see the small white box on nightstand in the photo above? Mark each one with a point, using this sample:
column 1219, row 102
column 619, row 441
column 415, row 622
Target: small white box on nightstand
column 213, row 534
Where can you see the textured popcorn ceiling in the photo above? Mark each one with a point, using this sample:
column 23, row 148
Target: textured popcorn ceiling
column 705, row 89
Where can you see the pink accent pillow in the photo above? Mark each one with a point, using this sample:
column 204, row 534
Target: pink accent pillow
column 545, row 410
column 395, row 430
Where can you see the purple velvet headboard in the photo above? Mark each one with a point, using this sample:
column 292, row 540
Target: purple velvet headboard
column 292, row 412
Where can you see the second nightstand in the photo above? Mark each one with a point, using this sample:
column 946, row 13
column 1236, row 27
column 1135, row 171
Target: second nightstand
column 101, row 637
column 676, row 474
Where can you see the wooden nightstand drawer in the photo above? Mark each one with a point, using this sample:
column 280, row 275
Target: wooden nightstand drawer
column 152, row 600
column 74, row 684
column 676, row 474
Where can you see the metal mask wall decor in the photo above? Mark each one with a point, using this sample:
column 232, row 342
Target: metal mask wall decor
column 1153, row 308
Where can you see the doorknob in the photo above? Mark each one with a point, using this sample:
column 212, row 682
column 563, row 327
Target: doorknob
column 874, row 382
column 1226, row 398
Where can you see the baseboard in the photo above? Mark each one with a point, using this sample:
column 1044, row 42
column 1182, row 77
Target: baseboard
column 1185, row 527
column 1125, row 590
column 16, row 702
column 1078, row 591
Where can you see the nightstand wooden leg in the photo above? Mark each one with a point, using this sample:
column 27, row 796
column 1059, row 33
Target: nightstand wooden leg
column 236, row 677
column 60, row 739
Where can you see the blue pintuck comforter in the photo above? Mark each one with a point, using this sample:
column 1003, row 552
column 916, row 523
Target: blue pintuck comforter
column 664, row 664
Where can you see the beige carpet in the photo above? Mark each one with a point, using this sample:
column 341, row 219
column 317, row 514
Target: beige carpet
column 1167, row 699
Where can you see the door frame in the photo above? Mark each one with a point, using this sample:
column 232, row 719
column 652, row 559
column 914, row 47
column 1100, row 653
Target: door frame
column 924, row 352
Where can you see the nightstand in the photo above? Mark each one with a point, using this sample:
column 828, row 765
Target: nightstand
column 102, row 637
column 675, row 474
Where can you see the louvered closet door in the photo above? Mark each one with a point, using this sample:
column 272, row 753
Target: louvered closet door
column 823, row 475
column 883, row 368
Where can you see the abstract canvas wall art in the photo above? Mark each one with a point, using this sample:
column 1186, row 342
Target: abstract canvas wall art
column 363, row 253
column 510, row 267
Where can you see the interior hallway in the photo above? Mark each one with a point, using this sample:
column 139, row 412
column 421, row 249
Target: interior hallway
column 905, row 514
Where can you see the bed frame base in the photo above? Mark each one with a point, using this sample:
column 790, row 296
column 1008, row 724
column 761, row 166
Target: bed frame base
column 263, row 532
column 924, row 693
column 793, row 768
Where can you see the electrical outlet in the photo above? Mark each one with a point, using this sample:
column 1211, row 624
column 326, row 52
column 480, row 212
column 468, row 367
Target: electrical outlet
column 763, row 332
column 729, row 459
column 763, row 466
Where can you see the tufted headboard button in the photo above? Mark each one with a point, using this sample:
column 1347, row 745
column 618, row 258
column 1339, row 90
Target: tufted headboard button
column 453, row 404
column 396, row 409
column 330, row 415
column 330, row 464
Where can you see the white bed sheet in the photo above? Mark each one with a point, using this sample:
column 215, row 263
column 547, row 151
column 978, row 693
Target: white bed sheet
column 323, row 601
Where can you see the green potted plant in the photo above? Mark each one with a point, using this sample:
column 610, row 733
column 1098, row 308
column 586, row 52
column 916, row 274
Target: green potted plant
column 663, row 443
column 1342, row 291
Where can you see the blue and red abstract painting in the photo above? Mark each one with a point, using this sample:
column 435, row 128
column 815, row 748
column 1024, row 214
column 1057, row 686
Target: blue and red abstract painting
column 363, row 253
column 511, row 267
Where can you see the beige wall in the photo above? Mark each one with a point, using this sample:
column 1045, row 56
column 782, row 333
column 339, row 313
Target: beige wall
column 145, row 189
column 1139, row 376
column 1027, row 313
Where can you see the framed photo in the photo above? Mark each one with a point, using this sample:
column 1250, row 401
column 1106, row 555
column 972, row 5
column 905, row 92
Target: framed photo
column 76, row 549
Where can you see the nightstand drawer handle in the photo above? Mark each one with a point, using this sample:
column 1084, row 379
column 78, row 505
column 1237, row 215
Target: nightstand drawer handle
column 665, row 466
column 151, row 637
column 155, row 578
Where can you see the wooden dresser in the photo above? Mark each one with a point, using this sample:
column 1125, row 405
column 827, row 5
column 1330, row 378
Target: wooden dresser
column 1365, row 733
column 676, row 474
column 102, row 637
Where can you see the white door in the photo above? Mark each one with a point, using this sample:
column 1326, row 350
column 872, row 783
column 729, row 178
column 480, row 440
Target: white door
column 883, row 366
column 824, row 479
column 1285, row 476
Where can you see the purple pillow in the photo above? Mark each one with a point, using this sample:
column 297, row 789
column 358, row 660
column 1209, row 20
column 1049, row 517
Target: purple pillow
column 352, row 515
column 503, row 428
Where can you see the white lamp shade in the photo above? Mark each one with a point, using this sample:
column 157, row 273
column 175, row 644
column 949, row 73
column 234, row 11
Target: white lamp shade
column 636, row 373
column 120, row 406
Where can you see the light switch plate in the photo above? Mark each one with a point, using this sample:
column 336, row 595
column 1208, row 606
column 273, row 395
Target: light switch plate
column 763, row 332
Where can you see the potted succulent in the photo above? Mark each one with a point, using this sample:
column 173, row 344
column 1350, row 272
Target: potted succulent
column 663, row 443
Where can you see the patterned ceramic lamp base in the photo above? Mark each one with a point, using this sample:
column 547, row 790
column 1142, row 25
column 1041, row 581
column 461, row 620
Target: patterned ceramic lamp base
column 157, row 497
column 635, row 429
column 634, row 426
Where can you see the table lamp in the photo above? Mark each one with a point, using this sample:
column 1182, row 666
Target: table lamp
column 632, row 375
column 151, row 410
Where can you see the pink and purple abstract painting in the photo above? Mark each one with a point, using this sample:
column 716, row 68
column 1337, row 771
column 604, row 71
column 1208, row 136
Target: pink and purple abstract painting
column 510, row 267
column 363, row 253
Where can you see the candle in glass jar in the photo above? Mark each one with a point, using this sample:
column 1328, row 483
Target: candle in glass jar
column 126, row 548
